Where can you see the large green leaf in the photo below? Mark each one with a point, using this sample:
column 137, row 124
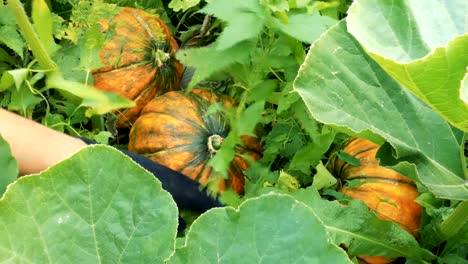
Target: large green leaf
column 341, row 85
column 422, row 44
column 96, row 207
column 8, row 165
column 274, row 228
column 361, row 230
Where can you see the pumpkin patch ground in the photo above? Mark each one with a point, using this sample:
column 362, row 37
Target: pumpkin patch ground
column 325, row 139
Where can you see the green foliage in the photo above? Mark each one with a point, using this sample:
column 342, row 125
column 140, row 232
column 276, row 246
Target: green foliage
column 183, row 5
column 76, row 212
column 9, row 34
column 258, row 232
column 341, row 88
column 348, row 158
column 204, row 58
column 305, row 79
column 244, row 20
column 86, row 13
column 361, row 230
column 28, row 90
column 8, row 164
column 427, row 56
column 323, row 178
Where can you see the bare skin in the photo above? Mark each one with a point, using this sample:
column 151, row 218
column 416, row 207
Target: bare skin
column 36, row 147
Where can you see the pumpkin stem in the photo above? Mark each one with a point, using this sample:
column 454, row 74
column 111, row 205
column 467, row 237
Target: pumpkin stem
column 160, row 57
column 214, row 143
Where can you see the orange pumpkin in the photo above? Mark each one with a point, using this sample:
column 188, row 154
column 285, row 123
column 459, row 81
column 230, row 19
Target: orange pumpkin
column 176, row 130
column 139, row 60
column 385, row 191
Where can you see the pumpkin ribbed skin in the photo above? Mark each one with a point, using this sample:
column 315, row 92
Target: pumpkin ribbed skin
column 175, row 130
column 387, row 192
column 139, row 59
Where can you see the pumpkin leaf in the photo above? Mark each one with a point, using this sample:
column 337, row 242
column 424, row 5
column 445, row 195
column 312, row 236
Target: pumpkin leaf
column 306, row 158
column 245, row 20
column 348, row 158
column 23, row 100
column 100, row 102
column 92, row 42
column 258, row 232
column 103, row 137
column 277, row 5
column 87, row 12
column 298, row 25
column 55, row 121
column 9, row 34
column 423, row 45
column 5, row 57
column 249, row 118
column 68, row 60
column 342, row 86
column 312, row 153
column 209, row 60
column 8, row 164
column 178, row 5
column 97, row 206
column 323, row 178
column 16, row 77
column 360, row 229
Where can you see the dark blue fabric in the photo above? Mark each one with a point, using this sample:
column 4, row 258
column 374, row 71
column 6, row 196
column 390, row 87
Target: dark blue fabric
column 186, row 193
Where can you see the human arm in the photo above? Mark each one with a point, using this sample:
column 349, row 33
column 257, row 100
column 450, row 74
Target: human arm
column 36, row 147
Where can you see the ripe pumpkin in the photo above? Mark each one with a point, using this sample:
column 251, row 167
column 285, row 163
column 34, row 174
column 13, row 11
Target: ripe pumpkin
column 176, row 130
column 139, row 60
column 387, row 192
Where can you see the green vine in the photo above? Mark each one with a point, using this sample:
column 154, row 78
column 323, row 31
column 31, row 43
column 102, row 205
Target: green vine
column 30, row 35
column 455, row 222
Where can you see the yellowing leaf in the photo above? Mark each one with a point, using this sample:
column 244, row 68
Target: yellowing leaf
column 323, row 178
